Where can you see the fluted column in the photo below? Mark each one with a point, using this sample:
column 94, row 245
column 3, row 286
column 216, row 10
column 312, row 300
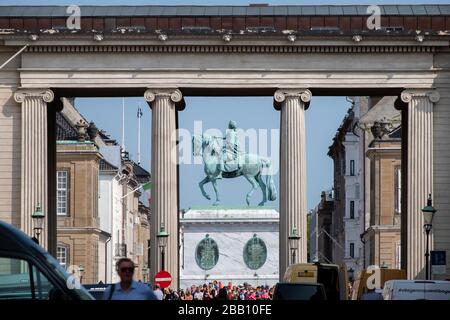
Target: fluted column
column 164, row 194
column 419, row 178
column 34, row 165
column 293, row 204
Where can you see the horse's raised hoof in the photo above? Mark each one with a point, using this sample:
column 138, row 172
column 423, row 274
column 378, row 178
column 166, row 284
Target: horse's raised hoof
column 248, row 201
column 261, row 204
column 207, row 196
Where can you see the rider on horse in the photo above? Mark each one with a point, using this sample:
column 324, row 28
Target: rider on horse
column 231, row 150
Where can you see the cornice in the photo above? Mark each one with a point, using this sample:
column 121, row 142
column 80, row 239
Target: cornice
column 191, row 48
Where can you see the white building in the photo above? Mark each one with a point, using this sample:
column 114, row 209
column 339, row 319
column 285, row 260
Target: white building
column 110, row 209
column 354, row 179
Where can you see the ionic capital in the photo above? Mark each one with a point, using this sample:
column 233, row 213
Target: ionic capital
column 409, row 94
column 46, row 95
column 175, row 95
column 151, row 95
column 281, row 95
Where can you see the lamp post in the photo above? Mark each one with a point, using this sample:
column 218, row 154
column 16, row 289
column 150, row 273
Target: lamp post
column 144, row 273
column 351, row 274
column 38, row 222
column 293, row 243
column 162, row 242
column 81, row 271
column 428, row 215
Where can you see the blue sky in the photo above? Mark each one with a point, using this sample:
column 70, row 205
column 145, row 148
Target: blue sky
column 322, row 119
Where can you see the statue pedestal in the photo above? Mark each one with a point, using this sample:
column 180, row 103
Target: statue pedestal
column 229, row 245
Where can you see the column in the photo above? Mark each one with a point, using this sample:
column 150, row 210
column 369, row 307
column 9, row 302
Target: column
column 293, row 205
column 34, row 165
column 418, row 107
column 164, row 194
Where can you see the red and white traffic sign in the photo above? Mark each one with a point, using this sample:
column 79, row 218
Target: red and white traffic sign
column 163, row 278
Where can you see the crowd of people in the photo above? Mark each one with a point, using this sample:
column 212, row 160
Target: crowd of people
column 216, row 291
column 129, row 289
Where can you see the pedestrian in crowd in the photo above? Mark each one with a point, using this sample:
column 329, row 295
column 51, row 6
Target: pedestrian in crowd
column 182, row 295
column 158, row 293
column 188, row 295
column 170, row 294
column 198, row 295
column 349, row 290
column 127, row 288
column 206, row 295
column 223, row 294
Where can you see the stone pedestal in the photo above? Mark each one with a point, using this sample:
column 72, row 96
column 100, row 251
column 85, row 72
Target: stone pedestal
column 229, row 245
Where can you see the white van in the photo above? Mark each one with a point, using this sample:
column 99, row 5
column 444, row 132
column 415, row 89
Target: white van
column 416, row 290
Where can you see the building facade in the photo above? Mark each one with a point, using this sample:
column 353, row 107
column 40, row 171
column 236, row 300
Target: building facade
column 354, row 179
column 382, row 237
column 100, row 216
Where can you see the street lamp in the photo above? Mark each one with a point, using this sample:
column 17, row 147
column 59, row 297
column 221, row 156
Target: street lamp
column 38, row 221
column 144, row 273
column 162, row 242
column 293, row 243
column 351, row 274
column 428, row 215
column 81, row 271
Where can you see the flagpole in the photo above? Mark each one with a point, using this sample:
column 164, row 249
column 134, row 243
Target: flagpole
column 134, row 190
column 123, row 124
column 139, row 134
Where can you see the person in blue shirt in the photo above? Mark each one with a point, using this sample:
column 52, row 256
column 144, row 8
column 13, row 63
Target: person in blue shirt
column 127, row 288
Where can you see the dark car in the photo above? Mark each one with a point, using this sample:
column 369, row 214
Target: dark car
column 299, row 291
column 27, row 271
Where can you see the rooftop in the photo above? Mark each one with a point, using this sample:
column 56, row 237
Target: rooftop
column 251, row 10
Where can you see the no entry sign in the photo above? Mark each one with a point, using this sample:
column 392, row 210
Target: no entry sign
column 163, row 278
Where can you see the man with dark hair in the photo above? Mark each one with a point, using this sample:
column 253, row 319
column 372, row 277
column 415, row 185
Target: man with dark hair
column 127, row 288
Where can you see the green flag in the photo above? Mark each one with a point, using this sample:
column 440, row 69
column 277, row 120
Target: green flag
column 147, row 186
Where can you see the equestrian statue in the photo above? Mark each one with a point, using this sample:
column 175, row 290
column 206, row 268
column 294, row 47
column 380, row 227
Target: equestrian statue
column 222, row 158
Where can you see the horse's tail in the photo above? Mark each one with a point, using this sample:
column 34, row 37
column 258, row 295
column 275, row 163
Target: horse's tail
column 272, row 191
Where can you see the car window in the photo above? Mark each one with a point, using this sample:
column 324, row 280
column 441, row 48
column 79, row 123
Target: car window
column 14, row 279
column 43, row 289
column 21, row 280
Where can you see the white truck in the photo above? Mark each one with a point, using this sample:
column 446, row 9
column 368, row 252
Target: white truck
column 416, row 290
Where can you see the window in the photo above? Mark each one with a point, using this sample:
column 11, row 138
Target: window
column 352, row 209
column 16, row 277
column 398, row 189
column 62, row 189
column 352, row 250
column 62, row 255
column 352, row 167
